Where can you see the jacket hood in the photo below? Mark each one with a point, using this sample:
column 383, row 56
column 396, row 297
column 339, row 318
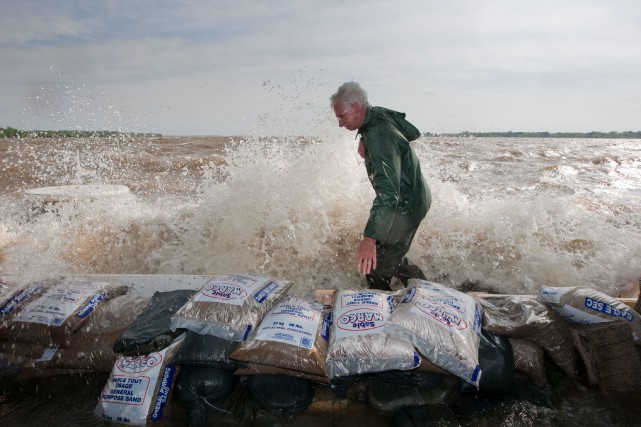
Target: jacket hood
column 396, row 119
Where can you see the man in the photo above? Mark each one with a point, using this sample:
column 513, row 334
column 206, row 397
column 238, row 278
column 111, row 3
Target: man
column 402, row 195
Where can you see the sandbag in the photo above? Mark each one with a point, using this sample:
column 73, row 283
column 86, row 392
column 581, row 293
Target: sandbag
column 444, row 325
column 53, row 317
column 497, row 364
column 527, row 318
column 529, row 358
column 206, row 351
column 256, row 368
column 13, row 298
column 390, row 391
column 357, row 342
column 92, row 345
column 293, row 335
column 230, row 306
column 280, row 394
column 150, row 331
column 198, row 387
column 138, row 390
column 585, row 305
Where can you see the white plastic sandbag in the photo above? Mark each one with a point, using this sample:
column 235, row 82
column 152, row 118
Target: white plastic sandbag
column 230, row 306
column 444, row 325
column 357, row 343
column 584, row 305
column 138, row 389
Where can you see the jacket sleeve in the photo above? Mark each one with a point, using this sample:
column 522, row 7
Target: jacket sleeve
column 385, row 175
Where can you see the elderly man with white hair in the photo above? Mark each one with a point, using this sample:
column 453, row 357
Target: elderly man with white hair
column 402, row 195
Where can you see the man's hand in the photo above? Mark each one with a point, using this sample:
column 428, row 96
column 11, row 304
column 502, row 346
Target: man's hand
column 366, row 256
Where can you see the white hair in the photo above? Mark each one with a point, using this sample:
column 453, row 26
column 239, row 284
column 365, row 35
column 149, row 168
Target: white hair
column 350, row 93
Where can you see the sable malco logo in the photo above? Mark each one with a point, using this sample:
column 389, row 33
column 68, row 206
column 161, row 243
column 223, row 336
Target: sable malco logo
column 360, row 320
column 138, row 364
column 442, row 315
column 224, row 291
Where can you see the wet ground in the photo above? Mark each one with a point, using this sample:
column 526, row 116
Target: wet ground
column 69, row 400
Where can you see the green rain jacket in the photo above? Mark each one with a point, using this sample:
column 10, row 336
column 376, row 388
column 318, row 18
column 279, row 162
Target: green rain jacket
column 402, row 195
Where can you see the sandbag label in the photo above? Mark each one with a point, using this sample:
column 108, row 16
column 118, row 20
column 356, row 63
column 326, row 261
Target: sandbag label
column 606, row 308
column 16, row 300
column 262, row 295
column 91, row 305
column 442, row 315
column 163, row 392
column 290, row 323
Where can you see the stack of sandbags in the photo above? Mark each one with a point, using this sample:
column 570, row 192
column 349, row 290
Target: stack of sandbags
column 584, row 305
column 49, row 320
column 605, row 332
column 225, row 311
column 92, row 345
column 291, row 339
column 527, row 319
column 13, row 297
column 143, row 377
column 609, row 356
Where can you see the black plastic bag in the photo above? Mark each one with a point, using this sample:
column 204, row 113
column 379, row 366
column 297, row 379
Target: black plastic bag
column 497, row 364
column 150, row 331
column 281, row 394
column 200, row 387
column 206, row 350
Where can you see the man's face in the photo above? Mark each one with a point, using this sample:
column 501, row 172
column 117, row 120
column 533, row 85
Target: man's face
column 349, row 116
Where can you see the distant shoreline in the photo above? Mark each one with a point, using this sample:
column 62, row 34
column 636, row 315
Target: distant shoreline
column 10, row 132
column 604, row 135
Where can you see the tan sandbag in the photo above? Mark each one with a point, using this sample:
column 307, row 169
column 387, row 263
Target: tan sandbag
column 427, row 366
column 585, row 305
column 230, row 306
column 22, row 349
column 257, row 369
column 293, row 335
column 92, row 345
column 529, row 358
column 14, row 297
column 53, row 317
column 610, row 357
column 525, row 317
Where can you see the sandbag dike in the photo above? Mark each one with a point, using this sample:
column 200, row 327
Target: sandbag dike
column 535, row 365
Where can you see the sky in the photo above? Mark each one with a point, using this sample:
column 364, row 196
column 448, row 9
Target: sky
column 234, row 68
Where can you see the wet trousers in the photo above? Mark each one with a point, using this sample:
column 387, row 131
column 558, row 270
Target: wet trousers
column 391, row 261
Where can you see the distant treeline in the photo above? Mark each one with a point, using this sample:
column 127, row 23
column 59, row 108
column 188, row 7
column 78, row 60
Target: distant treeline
column 624, row 135
column 10, row 132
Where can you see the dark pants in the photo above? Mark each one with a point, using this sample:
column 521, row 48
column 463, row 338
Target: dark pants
column 391, row 260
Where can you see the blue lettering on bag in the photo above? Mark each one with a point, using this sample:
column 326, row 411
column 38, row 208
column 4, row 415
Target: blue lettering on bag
column 91, row 305
column 409, row 295
column 16, row 300
column 265, row 291
column 327, row 321
column 163, row 392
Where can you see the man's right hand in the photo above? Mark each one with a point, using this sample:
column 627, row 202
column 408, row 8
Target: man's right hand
column 366, row 256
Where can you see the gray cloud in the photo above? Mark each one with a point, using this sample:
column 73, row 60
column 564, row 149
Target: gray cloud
column 199, row 67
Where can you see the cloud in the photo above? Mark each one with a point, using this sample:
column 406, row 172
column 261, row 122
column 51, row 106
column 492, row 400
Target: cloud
column 189, row 65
